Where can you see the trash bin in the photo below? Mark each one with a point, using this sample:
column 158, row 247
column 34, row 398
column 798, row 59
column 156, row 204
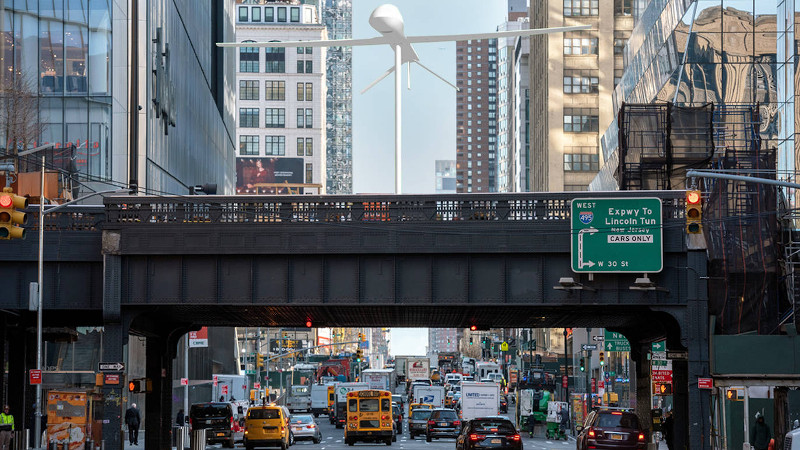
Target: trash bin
column 198, row 441
column 20, row 440
column 179, row 438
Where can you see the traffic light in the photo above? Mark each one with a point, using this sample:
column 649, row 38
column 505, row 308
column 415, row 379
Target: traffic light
column 259, row 360
column 308, row 323
column 694, row 212
column 532, row 344
column 732, row 394
column 360, row 337
column 583, row 365
column 473, row 328
column 602, row 359
column 140, row 386
column 358, row 355
column 10, row 218
column 663, row 389
column 470, row 341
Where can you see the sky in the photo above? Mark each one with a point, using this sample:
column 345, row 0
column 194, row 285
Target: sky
column 429, row 131
column 408, row 341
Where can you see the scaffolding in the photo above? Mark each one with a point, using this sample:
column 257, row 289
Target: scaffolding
column 751, row 272
column 338, row 18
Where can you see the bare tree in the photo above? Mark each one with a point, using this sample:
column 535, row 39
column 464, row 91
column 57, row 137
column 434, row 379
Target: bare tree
column 20, row 124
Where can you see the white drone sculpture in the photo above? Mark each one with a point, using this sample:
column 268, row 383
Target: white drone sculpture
column 386, row 20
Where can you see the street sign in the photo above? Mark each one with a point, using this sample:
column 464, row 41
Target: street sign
column 705, row 383
column 256, row 385
column 660, row 346
column 35, row 376
column 216, row 380
column 112, row 378
column 617, row 235
column 184, row 381
column 110, row 367
column 564, row 381
column 589, row 346
column 594, row 385
column 616, row 342
column 597, row 338
column 250, row 372
column 198, row 338
column 677, row 354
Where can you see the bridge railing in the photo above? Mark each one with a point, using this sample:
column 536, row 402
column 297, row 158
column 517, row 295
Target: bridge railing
column 70, row 218
column 525, row 207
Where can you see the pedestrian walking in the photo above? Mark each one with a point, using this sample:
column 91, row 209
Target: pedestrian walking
column 133, row 419
column 760, row 435
column 668, row 429
column 180, row 419
column 6, row 428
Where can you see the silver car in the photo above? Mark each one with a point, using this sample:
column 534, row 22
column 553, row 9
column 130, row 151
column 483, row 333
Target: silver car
column 305, row 427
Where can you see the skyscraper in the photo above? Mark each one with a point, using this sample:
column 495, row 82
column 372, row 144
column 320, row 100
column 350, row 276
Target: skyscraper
column 572, row 76
column 338, row 18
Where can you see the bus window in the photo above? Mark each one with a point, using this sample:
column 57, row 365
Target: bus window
column 386, row 404
column 369, row 405
column 352, row 405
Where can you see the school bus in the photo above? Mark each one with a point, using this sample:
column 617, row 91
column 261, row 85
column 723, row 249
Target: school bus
column 369, row 417
column 331, row 403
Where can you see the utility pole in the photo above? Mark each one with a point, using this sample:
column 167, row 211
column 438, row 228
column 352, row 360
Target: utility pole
column 589, row 368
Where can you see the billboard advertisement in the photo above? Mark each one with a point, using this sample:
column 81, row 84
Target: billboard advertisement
column 259, row 175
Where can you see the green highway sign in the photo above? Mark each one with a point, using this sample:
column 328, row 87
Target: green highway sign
column 617, row 235
column 615, row 342
column 660, row 346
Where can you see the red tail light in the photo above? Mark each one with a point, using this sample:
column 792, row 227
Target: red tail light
column 190, row 424
column 431, row 422
column 514, row 437
column 641, row 437
column 232, row 422
column 591, row 432
column 457, row 423
column 384, row 417
column 477, row 437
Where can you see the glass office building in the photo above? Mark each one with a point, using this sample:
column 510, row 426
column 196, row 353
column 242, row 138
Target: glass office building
column 157, row 113
column 731, row 52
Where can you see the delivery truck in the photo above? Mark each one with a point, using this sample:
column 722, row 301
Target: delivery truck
column 479, row 399
column 433, row 395
column 319, row 399
column 382, row 379
column 341, row 400
column 418, row 368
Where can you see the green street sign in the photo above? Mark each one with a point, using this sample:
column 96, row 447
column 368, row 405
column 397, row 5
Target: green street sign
column 249, row 372
column 615, row 342
column 617, row 235
column 660, row 346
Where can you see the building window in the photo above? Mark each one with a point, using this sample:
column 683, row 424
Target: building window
column 580, row 43
column 309, row 173
column 248, row 59
column 305, row 92
column 581, row 7
column 255, row 14
column 309, row 92
column 248, row 145
column 581, row 81
column 275, row 60
column 580, row 120
column 243, row 13
column 275, row 90
column 275, row 145
column 281, row 14
column 578, row 162
column 269, row 14
column 309, row 146
column 248, row 89
column 305, row 66
column 275, row 118
column 623, row 7
column 304, row 50
column 248, row 117
column 295, row 14
column 309, row 118
column 300, row 146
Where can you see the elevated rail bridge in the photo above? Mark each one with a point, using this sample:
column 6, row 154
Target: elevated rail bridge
column 161, row 266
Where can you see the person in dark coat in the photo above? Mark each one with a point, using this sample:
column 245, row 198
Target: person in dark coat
column 133, row 419
column 181, row 418
column 760, row 435
column 668, row 429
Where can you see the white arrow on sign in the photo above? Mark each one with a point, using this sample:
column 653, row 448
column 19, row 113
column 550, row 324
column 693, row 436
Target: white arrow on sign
column 609, row 346
column 110, row 367
column 591, row 231
column 658, row 346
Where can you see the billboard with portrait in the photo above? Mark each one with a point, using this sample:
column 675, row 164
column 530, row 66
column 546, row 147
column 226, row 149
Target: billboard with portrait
column 253, row 175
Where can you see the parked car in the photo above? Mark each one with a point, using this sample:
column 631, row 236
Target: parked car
column 489, row 432
column 266, row 426
column 418, row 422
column 612, row 430
column 443, row 422
column 305, row 427
column 217, row 419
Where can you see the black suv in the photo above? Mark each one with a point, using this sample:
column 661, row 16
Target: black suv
column 217, row 419
column 611, row 430
column 444, row 422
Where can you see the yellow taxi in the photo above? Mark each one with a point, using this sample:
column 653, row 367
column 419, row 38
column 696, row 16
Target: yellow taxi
column 414, row 406
column 267, row 426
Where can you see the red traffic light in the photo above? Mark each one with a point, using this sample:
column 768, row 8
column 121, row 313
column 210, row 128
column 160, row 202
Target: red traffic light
column 308, row 323
column 693, row 197
column 6, row 201
column 473, row 328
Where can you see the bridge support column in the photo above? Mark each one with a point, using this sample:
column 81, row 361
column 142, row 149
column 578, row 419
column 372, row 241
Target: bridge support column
column 694, row 336
column 158, row 402
column 643, row 388
column 115, row 336
column 21, row 357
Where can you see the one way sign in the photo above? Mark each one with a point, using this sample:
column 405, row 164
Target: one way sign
column 110, row 367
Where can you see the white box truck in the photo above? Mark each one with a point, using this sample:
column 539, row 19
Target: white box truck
column 341, row 400
column 319, row 399
column 382, row 379
column 479, row 399
column 433, row 395
column 418, row 368
column 299, row 398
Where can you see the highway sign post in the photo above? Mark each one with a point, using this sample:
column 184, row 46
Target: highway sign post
column 617, row 235
column 616, row 342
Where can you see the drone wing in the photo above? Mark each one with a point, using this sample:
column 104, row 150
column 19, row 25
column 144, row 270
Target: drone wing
column 327, row 43
column 494, row 35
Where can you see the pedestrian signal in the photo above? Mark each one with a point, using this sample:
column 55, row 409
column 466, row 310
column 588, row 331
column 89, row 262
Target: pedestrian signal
column 733, row 395
column 694, row 212
column 662, row 388
column 140, row 386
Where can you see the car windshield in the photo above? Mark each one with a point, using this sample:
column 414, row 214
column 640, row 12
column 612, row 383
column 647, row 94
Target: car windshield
column 302, row 419
column 617, row 420
column 203, row 411
column 444, row 414
column 300, row 390
column 256, row 413
column 423, row 414
column 493, row 426
column 397, row 398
